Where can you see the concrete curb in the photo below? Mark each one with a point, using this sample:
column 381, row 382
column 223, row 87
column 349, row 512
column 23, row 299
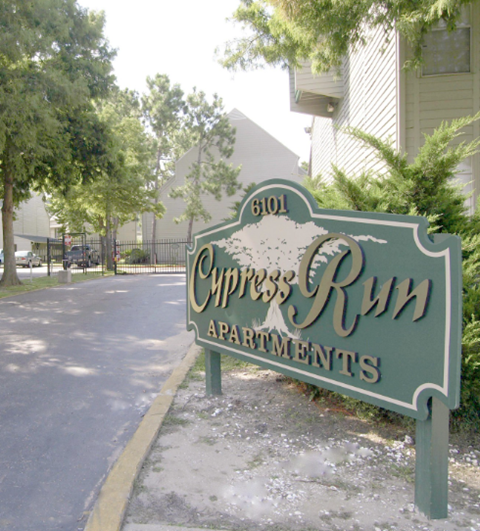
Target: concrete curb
column 111, row 505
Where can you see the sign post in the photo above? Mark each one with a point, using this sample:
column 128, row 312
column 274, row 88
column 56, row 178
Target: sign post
column 365, row 304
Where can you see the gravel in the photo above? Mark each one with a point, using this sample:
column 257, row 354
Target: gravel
column 262, row 456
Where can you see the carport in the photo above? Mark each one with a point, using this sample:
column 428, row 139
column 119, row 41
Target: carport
column 43, row 245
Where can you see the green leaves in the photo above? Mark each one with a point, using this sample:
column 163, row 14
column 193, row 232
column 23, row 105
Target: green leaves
column 287, row 32
column 54, row 60
column 426, row 187
column 207, row 128
column 124, row 168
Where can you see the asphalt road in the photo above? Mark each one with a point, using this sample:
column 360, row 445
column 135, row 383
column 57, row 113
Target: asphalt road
column 79, row 366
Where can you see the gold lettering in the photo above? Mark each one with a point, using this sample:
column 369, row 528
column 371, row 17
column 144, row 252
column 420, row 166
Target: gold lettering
column 328, row 283
column 282, row 350
column 263, row 336
column 256, row 283
column 235, row 335
column 347, row 359
column 301, row 351
column 322, row 357
column 271, row 287
column 198, row 266
column 212, row 330
column 231, row 282
column 369, row 369
column 421, row 293
column 284, row 288
column 380, row 301
column 217, row 283
column 248, row 338
column 223, row 329
column 245, row 276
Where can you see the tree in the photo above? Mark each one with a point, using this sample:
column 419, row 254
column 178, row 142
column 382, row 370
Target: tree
column 210, row 131
column 287, row 32
column 120, row 191
column 235, row 208
column 53, row 60
column 162, row 109
column 425, row 187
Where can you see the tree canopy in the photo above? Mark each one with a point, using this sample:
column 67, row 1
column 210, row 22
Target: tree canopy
column 163, row 108
column 54, row 59
column 287, row 32
column 121, row 189
column 209, row 130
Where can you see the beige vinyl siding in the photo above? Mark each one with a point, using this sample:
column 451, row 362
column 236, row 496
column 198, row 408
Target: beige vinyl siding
column 309, row 102
column 328, row 84
column 429, row 100
column 31, row 219
column 128, row 232
column 369, row 103
column 262, row 157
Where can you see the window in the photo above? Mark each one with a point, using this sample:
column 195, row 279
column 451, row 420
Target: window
column 447, row 52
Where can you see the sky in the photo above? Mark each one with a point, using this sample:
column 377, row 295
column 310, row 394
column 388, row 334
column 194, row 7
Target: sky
column 179, row 38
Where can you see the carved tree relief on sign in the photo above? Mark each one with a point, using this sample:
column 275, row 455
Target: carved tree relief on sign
column 360, row 303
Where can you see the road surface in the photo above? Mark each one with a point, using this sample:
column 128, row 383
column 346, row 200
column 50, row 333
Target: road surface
column 79, row 366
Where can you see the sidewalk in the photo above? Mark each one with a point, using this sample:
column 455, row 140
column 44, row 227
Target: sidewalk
column 262, row 456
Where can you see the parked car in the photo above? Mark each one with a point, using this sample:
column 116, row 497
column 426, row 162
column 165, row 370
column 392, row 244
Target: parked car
column 27, row 259
column 2, row 258
column 82, row 256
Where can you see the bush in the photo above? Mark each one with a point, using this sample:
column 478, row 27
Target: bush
column 426, row 188
column 137, row 256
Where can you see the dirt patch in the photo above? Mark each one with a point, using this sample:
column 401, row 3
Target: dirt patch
column 263, row 456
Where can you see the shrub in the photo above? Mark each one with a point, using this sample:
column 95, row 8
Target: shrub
column 137, row 256
column 425, row 187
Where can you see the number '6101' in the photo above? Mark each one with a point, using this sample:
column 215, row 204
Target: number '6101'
column 269, row 205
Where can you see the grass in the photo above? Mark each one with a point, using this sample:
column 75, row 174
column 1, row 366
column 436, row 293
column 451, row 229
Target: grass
column 228, row 363
column 255, row 462
column 38, row 283
column 404, row 472
column 171, row 420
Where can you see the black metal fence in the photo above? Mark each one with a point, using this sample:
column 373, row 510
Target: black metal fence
column 84, row 255
column 155, row 256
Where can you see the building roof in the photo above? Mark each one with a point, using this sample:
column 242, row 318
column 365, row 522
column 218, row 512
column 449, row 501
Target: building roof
column 37, row 239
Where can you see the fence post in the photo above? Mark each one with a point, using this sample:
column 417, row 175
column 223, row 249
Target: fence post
column 48, row 257
column 115, row 255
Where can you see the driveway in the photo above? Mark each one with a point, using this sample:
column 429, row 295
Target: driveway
column 79, row 366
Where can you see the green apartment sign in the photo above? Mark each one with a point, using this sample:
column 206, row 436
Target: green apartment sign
column 365, row 304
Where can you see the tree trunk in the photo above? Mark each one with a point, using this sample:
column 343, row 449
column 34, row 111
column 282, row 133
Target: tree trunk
column 108, row 236
column 154, row 222
column 9, row 277
column 190, row 228
column 155, row 202
column 196, row 182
